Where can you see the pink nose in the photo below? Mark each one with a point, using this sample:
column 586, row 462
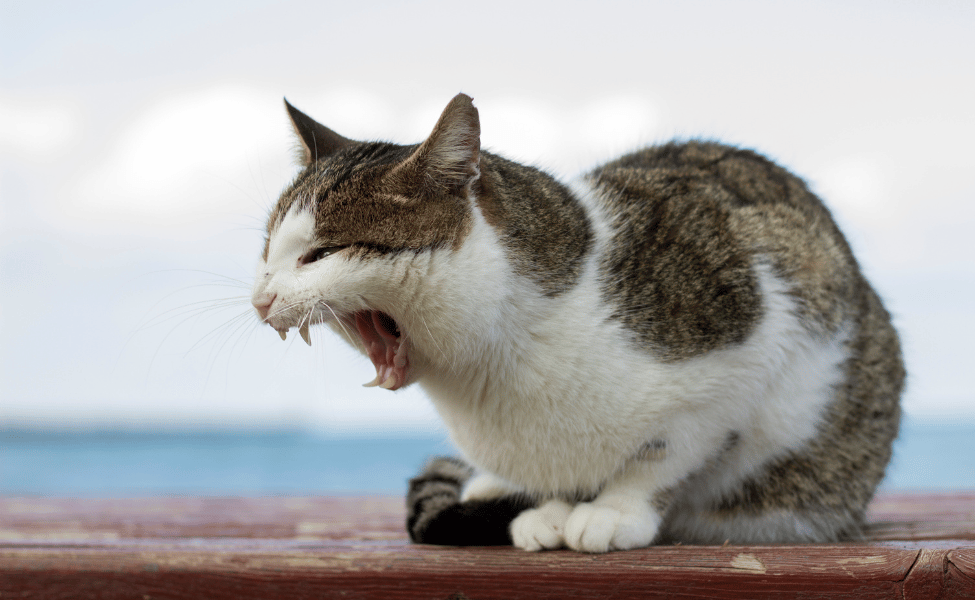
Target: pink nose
column 263, row 302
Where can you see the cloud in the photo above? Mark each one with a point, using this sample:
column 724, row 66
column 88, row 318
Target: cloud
column 191, row 157
column 857, row 185
column 567, row 138
column 36, row 130
column 615, row 124
column 200, row 156
column 356, row 113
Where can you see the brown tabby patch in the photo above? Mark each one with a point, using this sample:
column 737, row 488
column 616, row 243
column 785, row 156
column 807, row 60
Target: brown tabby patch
column 359, row 199
column 542, row 226
column 691, row 220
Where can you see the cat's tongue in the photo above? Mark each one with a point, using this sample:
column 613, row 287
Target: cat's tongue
column 385, row 347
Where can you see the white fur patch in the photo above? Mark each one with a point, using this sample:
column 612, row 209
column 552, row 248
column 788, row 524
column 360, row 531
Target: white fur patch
column 486, row 486
column 277, row 277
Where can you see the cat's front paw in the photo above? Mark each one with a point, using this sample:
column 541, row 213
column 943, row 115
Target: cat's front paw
column 541, row 528
column 601, row 527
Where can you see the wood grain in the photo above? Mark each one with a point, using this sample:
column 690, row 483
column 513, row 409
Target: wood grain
column 357, row 548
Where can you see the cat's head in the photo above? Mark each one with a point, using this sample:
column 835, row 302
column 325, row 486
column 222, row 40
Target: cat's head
column 344, row 241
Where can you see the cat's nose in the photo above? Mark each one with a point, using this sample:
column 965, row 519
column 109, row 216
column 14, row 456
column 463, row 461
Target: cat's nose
column 262, row 303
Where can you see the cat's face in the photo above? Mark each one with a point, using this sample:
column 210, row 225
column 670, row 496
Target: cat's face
column 347, row 241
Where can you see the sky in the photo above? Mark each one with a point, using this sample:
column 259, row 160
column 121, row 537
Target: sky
column 142, row 144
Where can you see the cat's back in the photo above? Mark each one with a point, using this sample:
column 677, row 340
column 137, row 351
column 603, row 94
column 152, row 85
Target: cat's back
column 689, row 224
column 728, row 175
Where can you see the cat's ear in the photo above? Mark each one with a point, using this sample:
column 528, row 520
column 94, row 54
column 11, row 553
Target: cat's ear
column 450, row 155
column 317, row 141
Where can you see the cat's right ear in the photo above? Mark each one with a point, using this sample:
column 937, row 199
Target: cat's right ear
column 450, row 157
column 317, row 141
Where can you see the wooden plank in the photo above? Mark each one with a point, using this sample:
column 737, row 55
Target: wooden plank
column 960, row 574
column 926, row 576
column 916, row 516
column 893, row 517
column 67, row 519
column 399, row 570
column 921, row 547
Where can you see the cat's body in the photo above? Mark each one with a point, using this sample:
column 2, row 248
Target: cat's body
column 678, row 346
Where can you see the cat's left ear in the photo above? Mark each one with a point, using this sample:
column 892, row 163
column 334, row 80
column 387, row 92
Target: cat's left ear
column 317, row 141
column 449, row 158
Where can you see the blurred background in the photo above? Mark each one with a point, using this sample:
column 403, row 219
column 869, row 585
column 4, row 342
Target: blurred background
column 142, row 144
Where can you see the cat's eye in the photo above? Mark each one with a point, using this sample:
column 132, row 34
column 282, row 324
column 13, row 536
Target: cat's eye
column 319, row 253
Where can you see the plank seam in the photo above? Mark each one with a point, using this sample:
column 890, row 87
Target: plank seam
column 907, row 575
column 949, row 562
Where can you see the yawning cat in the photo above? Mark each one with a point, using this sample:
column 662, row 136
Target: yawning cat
column 678, row 346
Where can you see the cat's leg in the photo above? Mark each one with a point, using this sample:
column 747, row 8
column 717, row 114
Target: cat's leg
column 436, row 514
column 624, row 515
column 434, row 490
column 628, row 512
column 534, row 529
column 541, row 528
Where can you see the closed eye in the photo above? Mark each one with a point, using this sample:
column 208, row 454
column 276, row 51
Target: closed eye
column 318, row 254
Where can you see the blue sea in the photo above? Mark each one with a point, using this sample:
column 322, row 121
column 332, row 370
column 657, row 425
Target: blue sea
column 927, row 456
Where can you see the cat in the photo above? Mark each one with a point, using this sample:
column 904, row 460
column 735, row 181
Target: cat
column 679, row 346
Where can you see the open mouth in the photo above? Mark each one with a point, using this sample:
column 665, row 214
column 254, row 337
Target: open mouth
column 385, row 346
column 383, row 342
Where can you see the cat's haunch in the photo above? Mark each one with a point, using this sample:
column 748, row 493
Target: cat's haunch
column 677, row 346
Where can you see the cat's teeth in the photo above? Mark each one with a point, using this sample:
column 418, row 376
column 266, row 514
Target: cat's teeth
column 372, row 383
column 283, row 333
column 303, row 330
column 390, row 382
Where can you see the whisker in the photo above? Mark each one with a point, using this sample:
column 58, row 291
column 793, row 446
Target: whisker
column 443, row 354
column 282, row 310
column 149, row 320
column 338, row 320
column 226, row 278
column 247, row 325
column 191, row 309
column 213, row 332
column 193, row 314
column 171, row 294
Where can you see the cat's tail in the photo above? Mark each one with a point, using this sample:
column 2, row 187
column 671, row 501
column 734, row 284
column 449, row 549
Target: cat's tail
column 437, row 516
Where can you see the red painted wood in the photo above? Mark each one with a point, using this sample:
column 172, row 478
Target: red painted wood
column 920, row 547
column 916, row 516
column 210, row 518
column 960, row 575
column 926, row 576
column 964, row 559
column 403, row 571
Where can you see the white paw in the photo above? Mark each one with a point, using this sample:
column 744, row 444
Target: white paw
column 602, row 527
column 541, row 528
column 485, row 486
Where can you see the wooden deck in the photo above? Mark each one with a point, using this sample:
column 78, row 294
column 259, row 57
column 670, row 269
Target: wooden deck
column 921, row 546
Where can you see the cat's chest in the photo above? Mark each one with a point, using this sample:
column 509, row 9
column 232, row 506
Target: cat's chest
column 560, row 404
column 560, row 407
column 549, row 392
